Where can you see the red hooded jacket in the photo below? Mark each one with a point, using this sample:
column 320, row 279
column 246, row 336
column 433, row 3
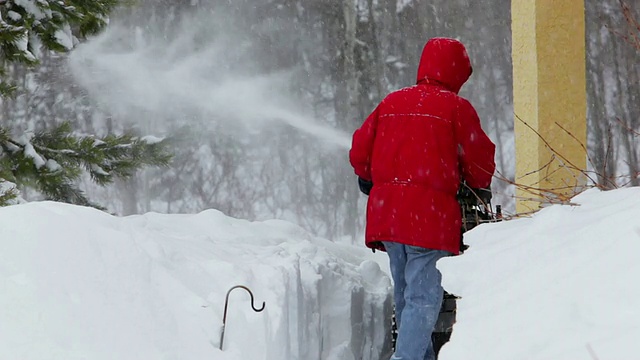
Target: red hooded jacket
column 416, row 147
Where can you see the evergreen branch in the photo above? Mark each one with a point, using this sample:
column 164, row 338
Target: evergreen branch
column 51, row 23
column 8, row 192
column 6, row 88
column 7, row 197
column 53, row 161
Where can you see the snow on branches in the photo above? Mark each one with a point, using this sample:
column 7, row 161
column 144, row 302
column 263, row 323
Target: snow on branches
column 53, row 161
column 26, row 25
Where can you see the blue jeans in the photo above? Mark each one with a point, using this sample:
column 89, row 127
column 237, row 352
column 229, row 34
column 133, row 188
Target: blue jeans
column 418, row 296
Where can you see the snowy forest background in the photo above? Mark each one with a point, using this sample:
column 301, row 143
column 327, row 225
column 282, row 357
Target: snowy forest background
column 259, row 98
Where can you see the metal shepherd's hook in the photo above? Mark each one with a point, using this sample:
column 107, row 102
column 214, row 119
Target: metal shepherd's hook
column 226, row 304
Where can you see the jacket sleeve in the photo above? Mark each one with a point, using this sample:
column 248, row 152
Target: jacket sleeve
column 362, row 146
column 475, row 150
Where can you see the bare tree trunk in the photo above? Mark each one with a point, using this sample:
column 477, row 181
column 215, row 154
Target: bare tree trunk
column 347, row 98
column 128, row 190
column 620, row 73
column 599, row 49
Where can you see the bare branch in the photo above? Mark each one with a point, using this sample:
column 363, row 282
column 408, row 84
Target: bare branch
column 553, row 150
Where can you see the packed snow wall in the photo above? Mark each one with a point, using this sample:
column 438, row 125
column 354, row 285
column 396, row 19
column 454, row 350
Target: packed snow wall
column 78, row 283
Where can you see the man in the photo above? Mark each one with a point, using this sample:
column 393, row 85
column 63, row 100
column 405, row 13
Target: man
column 415, row 148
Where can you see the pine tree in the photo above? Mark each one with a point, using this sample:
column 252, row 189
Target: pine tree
column 52, row 161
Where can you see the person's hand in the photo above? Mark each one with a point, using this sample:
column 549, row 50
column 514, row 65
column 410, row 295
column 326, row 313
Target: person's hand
column 365, row 185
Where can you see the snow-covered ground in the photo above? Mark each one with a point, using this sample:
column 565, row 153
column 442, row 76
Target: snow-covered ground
column 76, row 283
column 561, row 285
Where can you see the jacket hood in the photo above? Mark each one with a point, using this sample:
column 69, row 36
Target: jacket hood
column 445, row 61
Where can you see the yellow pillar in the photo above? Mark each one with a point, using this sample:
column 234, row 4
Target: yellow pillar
column 549, row 88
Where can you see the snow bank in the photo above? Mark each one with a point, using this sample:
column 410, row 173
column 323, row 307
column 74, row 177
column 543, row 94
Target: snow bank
column 76, row 283
column 560, row 285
